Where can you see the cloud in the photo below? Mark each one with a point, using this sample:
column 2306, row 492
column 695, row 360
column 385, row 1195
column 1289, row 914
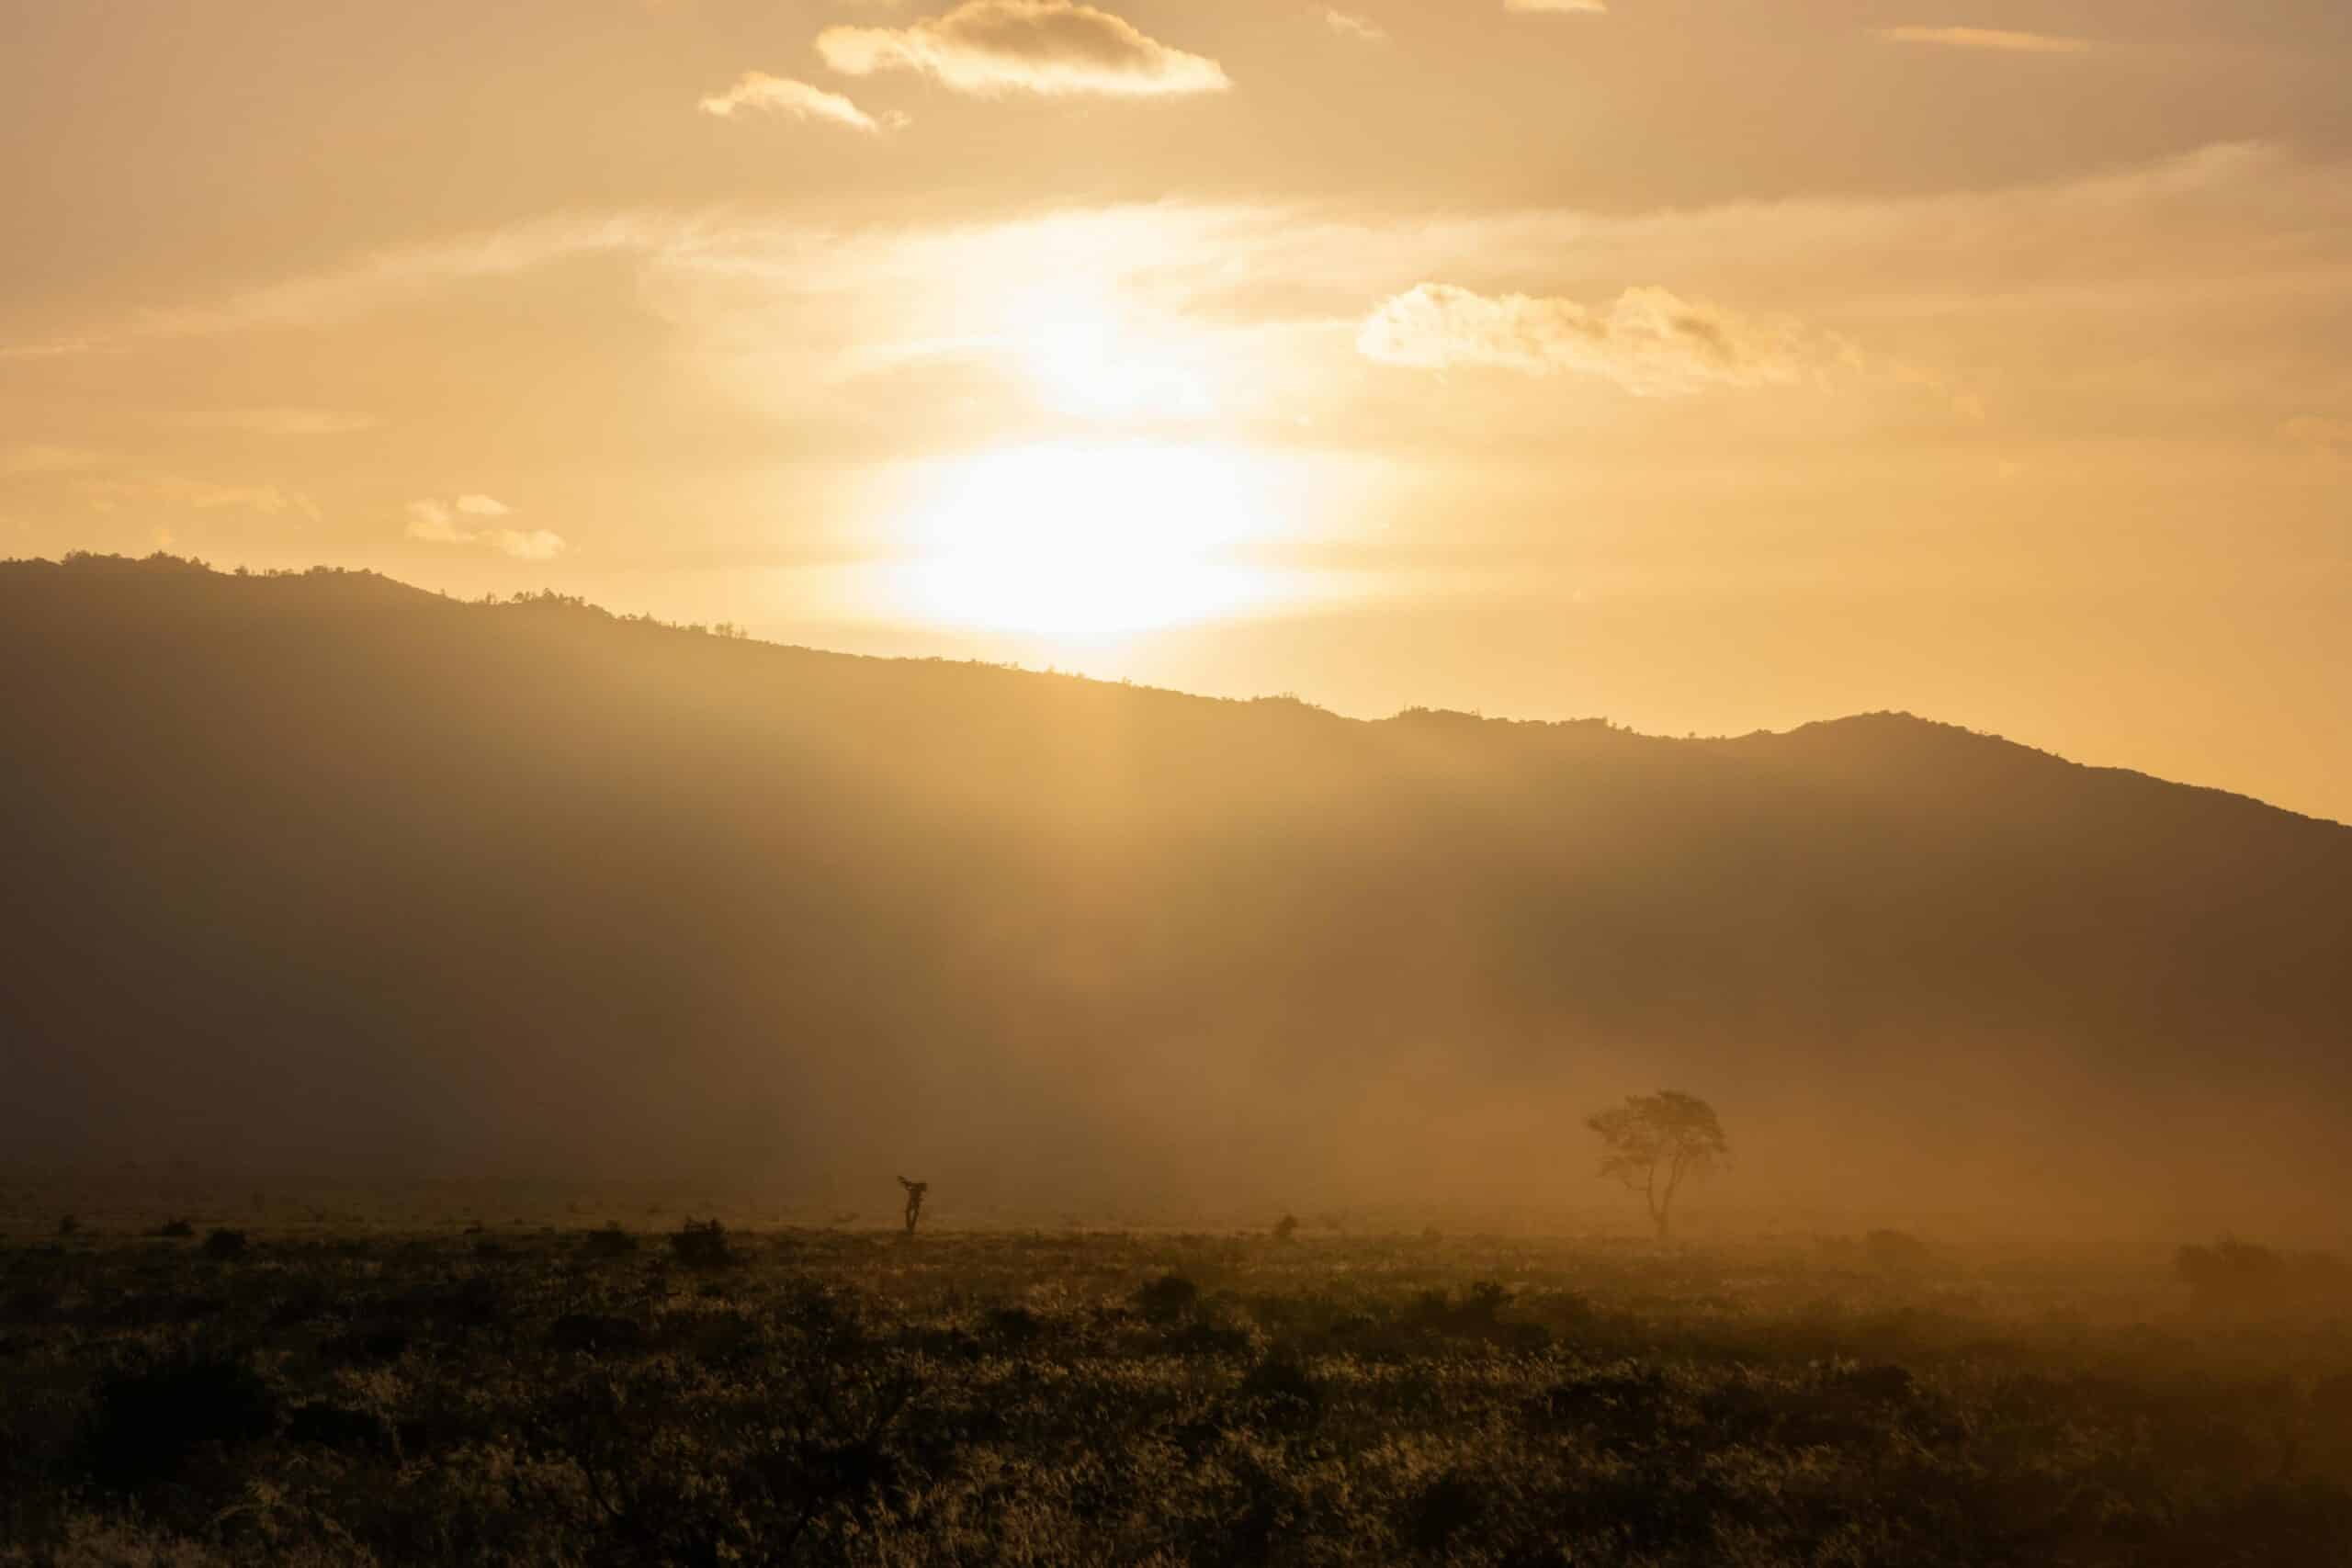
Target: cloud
column 1650, row 341
column 433, row 522
column 1590, row 7
column 113, row 488
column 391, row 277
column 537, row 544
column 202, row 495
column 277, row 421
column 1348, row 25
column 2097, row 237
column 863, row 329
column 441, row 523
column 37, row 459
column 776, row 95
column 53, row 348
column 1054, row 48
column 1987, row 39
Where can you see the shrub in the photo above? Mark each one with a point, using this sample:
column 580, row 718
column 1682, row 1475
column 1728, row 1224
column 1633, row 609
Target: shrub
column 1282, row 1392
column 1485, row 1301
column 596, row 1333
column 68, row 1225
column 342, row 1431
column 702, row 1244
column 225, row 1243
column 1286, row 1227
column 1884, row 1385
column 365, row 1346
column 1168, row 1298
column 2231, row 1272
column 1015, row 1325
column 1204, row 1338
column 2240, row 1276
column 173, row 1229
column 1447, row 1507
column 610, row 1242
column 150, row 1423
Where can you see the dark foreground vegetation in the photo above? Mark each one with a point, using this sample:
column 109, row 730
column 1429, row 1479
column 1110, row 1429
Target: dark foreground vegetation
column 707, row 1395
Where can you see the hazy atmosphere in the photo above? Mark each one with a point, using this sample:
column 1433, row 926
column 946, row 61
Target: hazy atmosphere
column 1190, row 783
column 1709, row 366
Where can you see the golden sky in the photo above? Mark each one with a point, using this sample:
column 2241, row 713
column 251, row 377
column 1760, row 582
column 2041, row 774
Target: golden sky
column 1709, row 365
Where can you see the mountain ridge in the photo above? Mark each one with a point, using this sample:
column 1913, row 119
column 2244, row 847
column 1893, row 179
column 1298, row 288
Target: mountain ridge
column 337, row 870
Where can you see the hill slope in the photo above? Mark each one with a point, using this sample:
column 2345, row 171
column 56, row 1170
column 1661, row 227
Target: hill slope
column 327, row 871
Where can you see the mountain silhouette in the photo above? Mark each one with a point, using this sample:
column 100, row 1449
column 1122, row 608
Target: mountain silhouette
column 323, row 873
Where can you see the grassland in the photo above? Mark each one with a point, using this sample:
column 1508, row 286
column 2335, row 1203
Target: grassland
column 578, row 1395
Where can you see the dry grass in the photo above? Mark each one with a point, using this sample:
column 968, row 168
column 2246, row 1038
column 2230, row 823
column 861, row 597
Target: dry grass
column 846, row 1397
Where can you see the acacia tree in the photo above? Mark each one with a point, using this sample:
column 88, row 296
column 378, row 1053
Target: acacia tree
column 1653, row 1141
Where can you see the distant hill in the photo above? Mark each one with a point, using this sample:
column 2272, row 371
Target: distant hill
column 327, row 873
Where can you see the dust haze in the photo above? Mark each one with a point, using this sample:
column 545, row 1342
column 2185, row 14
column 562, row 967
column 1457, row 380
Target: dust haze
column 324, row 877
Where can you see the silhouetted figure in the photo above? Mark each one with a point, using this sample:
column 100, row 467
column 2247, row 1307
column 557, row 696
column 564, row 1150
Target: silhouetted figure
column 915, row 1190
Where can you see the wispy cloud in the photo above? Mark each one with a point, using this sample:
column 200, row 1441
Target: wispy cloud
column 108, row 484
column 200, row 495
column 1586, row 7
column 1649, row 341
column 389, row 277
column 866, row 328
column 1348, row 25
column 1993, row 38
column 290, row 422
column 794, row 100
column 49, row 348
column 1049, row 47
column 2177, row 216
column 35, row 459
column 437, row 522
column 445, row 522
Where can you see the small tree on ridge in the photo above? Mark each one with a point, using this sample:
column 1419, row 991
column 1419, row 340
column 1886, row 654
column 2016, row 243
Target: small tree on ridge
column 1653, row 1142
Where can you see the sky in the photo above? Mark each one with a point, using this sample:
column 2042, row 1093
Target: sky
column 1706, row 365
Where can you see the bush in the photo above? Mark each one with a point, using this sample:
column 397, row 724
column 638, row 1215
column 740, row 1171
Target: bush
column 596, row 1333
column 340, row 1429
column 173, row 1229
column 1485, row 1301
column 150, row 1423
column 1283, row 1392
column 2234, row 1275
column 69, row 1225
column 1168, row 1298
column 1286, row 1227
column 225, row 1243
column 1447, row 1507
column 1016, row 1326
column 610, row 1242
column 2231, row 1272
column 702, row 1245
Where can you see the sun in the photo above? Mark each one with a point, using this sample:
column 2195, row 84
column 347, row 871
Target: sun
column 1086, row 542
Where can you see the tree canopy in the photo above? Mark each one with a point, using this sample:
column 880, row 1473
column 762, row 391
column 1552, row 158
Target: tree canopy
column 1655, row 1142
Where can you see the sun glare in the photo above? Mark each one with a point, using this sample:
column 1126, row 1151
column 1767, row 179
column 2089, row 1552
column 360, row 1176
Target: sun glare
column 1088, row 357
column 1088, row 542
